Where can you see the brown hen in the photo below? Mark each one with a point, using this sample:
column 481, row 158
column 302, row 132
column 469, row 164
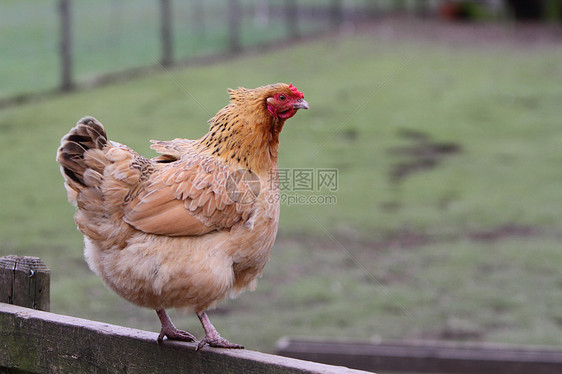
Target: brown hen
column 191, row 226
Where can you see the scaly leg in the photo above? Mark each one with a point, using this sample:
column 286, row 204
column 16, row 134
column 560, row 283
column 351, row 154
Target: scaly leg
column 212, row 336
column 170, row 331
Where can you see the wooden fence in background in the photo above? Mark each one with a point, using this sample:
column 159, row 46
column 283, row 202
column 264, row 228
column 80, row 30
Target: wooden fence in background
column 289, row 10
column 235, row 20
column 294, row 13
column 428, row 356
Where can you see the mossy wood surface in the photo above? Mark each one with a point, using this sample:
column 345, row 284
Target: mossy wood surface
column 42, row 342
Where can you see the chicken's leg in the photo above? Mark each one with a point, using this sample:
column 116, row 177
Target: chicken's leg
column 212, row 336
column 170, row 331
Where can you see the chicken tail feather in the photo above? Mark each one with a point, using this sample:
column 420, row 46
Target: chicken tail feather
column 85, row 156
column 78, row 153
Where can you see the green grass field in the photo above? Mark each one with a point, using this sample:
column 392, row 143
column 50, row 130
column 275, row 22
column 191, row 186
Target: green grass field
column 447, row 221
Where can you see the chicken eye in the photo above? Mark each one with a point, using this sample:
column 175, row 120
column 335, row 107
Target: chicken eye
column 282, row 97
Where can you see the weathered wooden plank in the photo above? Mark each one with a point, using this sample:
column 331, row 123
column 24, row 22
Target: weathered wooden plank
column 44, row 342
column 25, row 281
column 428, row 356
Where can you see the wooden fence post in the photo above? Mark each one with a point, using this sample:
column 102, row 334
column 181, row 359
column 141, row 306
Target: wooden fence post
column 399, row 6
column 422, row 8
column 166, row 33
column 25, row 281
column 198, row 17
column 234, row 20
column 67, row 83
column 291, row 16
column 336, row 14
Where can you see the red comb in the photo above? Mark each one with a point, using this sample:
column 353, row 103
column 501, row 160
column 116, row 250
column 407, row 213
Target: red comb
column 296, row 92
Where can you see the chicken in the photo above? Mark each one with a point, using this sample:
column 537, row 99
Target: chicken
column 192, row 226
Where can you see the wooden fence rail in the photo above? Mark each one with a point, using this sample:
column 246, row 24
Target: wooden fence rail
column 35, row 341
column 42, row 342
column 428, row 356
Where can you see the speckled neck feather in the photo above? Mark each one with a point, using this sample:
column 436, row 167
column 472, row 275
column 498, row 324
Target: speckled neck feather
column 244, row 132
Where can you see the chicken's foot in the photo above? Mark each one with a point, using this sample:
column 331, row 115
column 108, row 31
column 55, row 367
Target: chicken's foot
column 212, row 336
column 170, row 331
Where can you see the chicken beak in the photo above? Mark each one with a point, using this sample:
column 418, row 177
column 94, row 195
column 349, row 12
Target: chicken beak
column 300, row 104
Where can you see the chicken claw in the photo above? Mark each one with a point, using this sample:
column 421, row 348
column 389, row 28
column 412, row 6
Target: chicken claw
column 170, row 331
column 212, row 337
column 175, row 334
column 217, row 342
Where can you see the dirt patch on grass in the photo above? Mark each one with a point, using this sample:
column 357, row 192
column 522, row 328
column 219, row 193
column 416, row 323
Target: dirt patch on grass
column 422, row 153
column 449, row 332
column 504, row 232
column 407, row 239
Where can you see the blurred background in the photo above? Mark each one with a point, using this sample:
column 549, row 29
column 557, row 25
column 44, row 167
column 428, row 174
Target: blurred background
column 441, row 120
